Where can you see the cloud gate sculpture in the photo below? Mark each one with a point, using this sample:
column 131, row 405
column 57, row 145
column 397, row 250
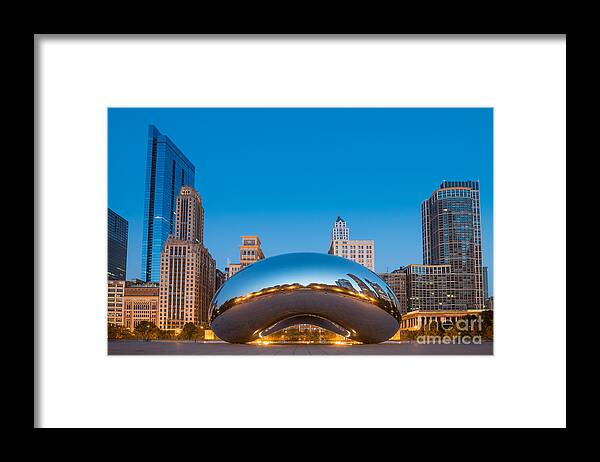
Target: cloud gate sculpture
column 305, row 288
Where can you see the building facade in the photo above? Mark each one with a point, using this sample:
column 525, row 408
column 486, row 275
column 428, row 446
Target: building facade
column 220, row 278
column 250, row 250
column 485, row 283
column 115, row 302
column 117, row 246
column 340, row 230
column 189, row 216
column 187, row 270
column 232, row 268
column 451, row 230
column 140, row 303
column 396, row 280
column 187, row 284
column 359, row 250
column 433, row 288
column 167, row 170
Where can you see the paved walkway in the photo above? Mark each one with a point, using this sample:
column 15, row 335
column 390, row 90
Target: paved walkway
column 156, row 347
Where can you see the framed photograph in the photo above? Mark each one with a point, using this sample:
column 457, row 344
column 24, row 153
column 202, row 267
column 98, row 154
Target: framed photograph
column 413, row 184
column 227, row 224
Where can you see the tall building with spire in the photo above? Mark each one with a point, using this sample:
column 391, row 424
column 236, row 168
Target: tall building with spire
column 359, row 250
column 189, row 216
column 187, row 270
column 340, row 230
column 167, row 170
column 451, row 229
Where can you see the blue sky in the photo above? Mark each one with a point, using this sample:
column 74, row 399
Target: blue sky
column 286, row 174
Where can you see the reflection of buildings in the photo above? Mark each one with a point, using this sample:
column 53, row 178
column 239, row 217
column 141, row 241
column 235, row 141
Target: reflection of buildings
column 362, row 286
column 378, row 289
column 167, row 170
column 305, row 333
column 187, row 270
column 396, row 280
column 344, row 283
column 360, row 251
column 452, row 236
column 117, row 246
column 250, row 252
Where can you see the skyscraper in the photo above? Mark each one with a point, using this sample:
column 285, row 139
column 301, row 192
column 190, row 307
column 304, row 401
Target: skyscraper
column 167, row 170
column 359, row 250
column 485, row 284
column 117, row 246
column 187, row 270
column 340, row 230
column 189, row 216
column 452, row 236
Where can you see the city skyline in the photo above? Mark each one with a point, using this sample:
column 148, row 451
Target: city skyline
column 381, row 203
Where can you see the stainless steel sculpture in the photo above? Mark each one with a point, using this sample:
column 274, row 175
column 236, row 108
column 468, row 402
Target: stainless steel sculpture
column 305, row 288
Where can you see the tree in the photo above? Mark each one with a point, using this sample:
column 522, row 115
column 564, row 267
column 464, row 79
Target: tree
column 118, row 332
column 147, row 331
column 189, row 331
column 164, row 334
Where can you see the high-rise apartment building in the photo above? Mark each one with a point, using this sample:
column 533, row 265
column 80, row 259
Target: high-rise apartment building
column 140, row 303
column 187, row 270
column 115, row 292
column 167, row 170
column 360, row 251
column 433, row 288
column 117, row 246
column 452, row 236
column 396, row 280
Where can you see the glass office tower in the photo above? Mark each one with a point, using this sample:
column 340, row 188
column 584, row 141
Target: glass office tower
column 167, row 170
column 452, row 236
column 117, row 246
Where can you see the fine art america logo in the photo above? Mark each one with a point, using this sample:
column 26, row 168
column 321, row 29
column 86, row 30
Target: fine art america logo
column 449, row 332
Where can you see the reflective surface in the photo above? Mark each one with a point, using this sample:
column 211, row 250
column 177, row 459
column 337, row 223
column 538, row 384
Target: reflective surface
column 305, row 288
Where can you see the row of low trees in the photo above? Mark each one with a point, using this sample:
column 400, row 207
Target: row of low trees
column 483, row 327
column 147, row 331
